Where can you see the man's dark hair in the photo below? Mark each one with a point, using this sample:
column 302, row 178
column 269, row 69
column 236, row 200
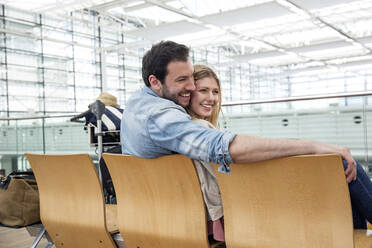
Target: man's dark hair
column 156, row 60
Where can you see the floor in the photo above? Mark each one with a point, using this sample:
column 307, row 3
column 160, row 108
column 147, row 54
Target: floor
column 17, row 238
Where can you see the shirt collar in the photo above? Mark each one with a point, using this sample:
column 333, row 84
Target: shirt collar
column 148, row 90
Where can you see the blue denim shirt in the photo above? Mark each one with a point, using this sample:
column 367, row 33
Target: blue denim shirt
column 153, row 126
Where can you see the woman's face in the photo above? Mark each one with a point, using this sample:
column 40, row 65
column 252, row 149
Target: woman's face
column 205, row 97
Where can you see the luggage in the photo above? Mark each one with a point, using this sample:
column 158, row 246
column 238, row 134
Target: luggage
column 104, row 118
column 19, row 199
column 111, row 118
column 108, row 186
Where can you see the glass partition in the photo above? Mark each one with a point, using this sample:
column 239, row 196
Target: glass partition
column 335, row 121
column 339, row 121
column 43, row 136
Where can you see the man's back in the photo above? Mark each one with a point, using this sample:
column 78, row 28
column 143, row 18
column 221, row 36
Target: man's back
column 153, row 126
column 134, row 132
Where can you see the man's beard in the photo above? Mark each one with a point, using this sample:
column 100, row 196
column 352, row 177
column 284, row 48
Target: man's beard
column 172, row 97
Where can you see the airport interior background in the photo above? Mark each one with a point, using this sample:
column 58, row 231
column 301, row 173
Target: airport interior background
column 288, row 68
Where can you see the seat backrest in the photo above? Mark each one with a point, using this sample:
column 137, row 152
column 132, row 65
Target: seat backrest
column 300, row 201
column 160, row 202
column 72, row 206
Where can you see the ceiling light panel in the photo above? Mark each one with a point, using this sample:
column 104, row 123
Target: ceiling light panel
column 203, row 37
column 347, row 15
column 248, row 14
column 303, row 37
column 318, row 4
column 357, row 28
column 208, row 7
column 278, row 60
column 332, row 53
column 166, row 30
column 359, row 64
column 348, row 6
column 345, row 60
column 31, row 4
column 323, row 46
column 249, row 57
column 157, row 14
column 366, row 40
column 274, row 25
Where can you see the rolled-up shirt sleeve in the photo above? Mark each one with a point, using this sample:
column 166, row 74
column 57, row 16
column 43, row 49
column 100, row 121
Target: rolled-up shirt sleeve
column 173, row 130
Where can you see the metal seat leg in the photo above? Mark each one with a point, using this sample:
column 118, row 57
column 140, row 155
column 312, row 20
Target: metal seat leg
column 38, row 238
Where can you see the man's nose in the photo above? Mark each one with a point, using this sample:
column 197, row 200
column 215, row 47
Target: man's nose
column 190, row 85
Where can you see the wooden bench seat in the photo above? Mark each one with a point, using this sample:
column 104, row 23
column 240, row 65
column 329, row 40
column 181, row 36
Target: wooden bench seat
column 72, row 207
column 300, row 201
column 160, row 202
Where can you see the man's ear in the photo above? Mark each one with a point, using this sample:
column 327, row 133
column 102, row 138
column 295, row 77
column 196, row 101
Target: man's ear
column 155, row 84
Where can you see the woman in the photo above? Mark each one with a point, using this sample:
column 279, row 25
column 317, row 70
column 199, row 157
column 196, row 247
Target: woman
column 204, row 108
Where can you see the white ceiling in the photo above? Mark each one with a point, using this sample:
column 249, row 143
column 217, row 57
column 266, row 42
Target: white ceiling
column 171, row 29
column 318, row 4
column 246, row 15
column 261, row 32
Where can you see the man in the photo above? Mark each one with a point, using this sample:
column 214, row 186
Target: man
column 155, row 123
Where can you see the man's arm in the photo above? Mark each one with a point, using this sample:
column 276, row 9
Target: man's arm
column 245, row 149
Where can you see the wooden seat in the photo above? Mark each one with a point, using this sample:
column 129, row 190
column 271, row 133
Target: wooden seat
column 160, row 203
column 72, row 207
column 300, row 201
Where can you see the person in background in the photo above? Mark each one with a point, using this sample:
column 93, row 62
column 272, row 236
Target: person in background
column 113, row 113
column 110, row 122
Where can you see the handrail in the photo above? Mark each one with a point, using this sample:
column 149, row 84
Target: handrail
column 35, row 117
column 300, row 98
column 272, row 100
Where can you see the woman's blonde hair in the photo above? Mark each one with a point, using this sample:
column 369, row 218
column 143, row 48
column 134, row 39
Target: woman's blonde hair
column 202, row 71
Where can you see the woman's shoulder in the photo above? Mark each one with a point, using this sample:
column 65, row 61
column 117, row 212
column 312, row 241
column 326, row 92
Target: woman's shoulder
column 204, row 123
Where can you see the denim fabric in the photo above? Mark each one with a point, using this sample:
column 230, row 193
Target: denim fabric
column 153, row 126
column 361, row 198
